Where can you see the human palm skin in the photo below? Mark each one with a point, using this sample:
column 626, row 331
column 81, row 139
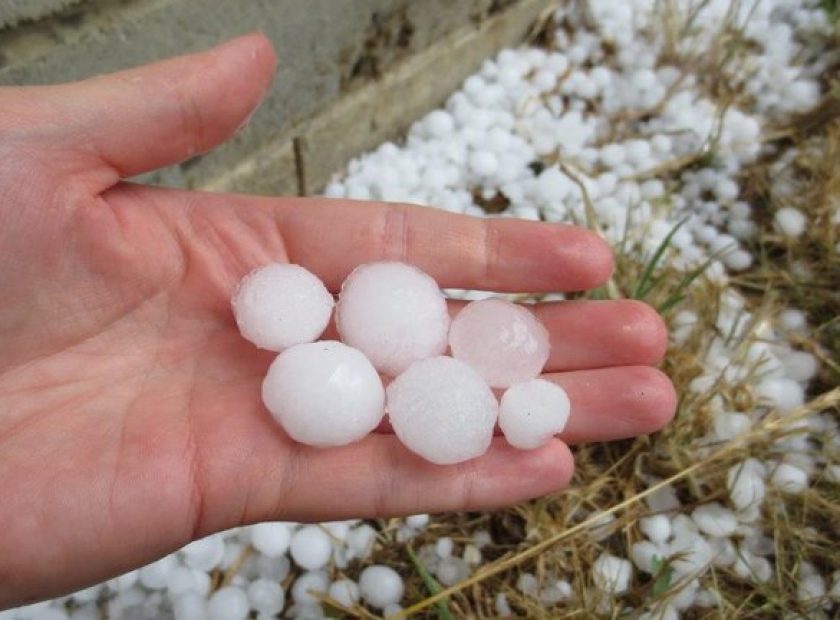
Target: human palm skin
column 130, row 415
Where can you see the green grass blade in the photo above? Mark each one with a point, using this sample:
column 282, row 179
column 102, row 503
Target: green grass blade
column 645, row 284
column 432, row 586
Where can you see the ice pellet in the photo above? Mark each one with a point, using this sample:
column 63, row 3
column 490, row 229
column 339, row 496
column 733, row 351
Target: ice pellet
column 324, row 393
column 531, row 413
column 504, row 342
column 394, row 313
column 280, row 305
column 381, row 586
column 443, row 410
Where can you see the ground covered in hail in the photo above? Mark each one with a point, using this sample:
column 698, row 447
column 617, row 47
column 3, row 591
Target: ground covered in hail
column 701, row 139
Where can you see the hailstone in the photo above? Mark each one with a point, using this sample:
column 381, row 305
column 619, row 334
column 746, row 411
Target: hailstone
column 443, row 410
column 324, row 393
column 279, row 305
column 504, row 342
column 531, row 413
column 394, row 313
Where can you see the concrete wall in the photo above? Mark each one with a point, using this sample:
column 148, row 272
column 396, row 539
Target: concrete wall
column 351, row 73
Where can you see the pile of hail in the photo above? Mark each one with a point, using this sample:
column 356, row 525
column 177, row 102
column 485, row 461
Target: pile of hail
column 394, row 322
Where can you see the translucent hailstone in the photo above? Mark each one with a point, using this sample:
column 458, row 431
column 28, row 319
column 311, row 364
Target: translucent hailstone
column 204, row 554
column 531, row 413
column 789, row 478
column 311, row 547
column 324, row 393
column 228, row 603
column 394, row 313
column 266, row 596
column 715, row 520
column 272, row 538
column 345, row 592
column 443, row 410
column 307, row 584
column 745, row 482
column 190, row 606
column 381, row 586
column 790, row 222
column 612, row 574
column 504, row 342
column 360, row 540
column 280, row 305
column 656, row 527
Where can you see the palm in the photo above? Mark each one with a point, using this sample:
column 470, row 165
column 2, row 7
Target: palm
column 130, row 419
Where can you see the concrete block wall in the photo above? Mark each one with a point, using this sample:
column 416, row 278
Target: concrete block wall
column 351, row 73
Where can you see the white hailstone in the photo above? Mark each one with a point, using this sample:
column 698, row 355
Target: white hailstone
column 154, row 576
column 656, row 527
column 275, row 569
column 204, row 554
column 664, row 499
column 612, row 574
column 280, row 305
column 380, row 586
column 452, row 570
column 190, row 606
column 392, row 610
column 800, row 365
column 793, row 319
column 271, row 538
column 88, row 611
column 528, row 584
column 811, row 589
column 484, row 163
column 417, row 522
column 360, row 540
column 394, row 313
column 443, row 410
column 444, row 546
column 531, row 413
column 789, row 479
column 690, row 553
column 782, row 393
column 228, row 603
column 53, row 613
column 307, row 585
column 124, row 581
column 88, row 594
column 715, row 520
column 686, row 595
column 790, row 222
column 266, row 596
column 310, row 547
column 501, row 606
column 439, row 123
column 324, row 393
column 472, row 555
column 644, row 555
column 482, row 538
column 503, row 341
column 752, row 567
column 345, row 592
column 738, row 260
column 602, row 527
column 832, row 473
column 182, row 579
column 745, row 485
column 728, row 425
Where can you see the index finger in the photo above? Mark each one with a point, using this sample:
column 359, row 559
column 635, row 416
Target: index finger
column 332, row 236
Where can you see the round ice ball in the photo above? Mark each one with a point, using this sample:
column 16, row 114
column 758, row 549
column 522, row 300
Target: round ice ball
column 504, row 342
column 531, row 413
column 394, row 313
column 324, row 393
column 311, row 547
column 280, row 305
column 443, row 410
column 381, row 586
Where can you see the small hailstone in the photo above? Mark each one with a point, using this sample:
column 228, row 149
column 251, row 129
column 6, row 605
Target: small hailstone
column 472, row 555
column 783, row 393
column 443, row 410
column 656, row 527
column 190, row 606
column 504, row 342
column 484, row 163
column 272, row 538
column 443, row 547
column 310, row 547
column 307, row 584
column 280, row 305
column 482, row 538
column 715, row 520
column 692, row 551
column 391, row 610
column 345, row 592
column 793, row 319
column 394, row 313
column 745, row 485
column 832, row 473
column 728, row 425
column 228, row 603
column 360, row 540
column 154, row 576
column 612, row 574
column 800, row 365
column 182, row 579
column 790, row 222
column 88, row 611
column 501, row 606
column 752, row 567
column 204, row 554
column 602, row 527
column 381, row 586
column 275, row 569
column 52, row 613
column 324, row 393
column 124, row 581
column 531, row 413
column 528, row 584
column 664, row 499
column 266, row 596
column 452, row 570
column 811, row 589
column 789, row 478
column 417, row 522
column 644, row 554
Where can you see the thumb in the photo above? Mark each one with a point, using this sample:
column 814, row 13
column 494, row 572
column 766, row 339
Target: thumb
column 145, row 118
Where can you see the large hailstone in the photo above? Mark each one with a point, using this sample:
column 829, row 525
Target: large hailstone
column 531, row 413
column 324, row 393
column 279, row 305
column 443, row 410
column 394, row 313
column 503, row 341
